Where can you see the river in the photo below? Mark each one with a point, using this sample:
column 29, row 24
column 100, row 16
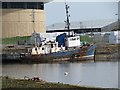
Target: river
column 98, row 74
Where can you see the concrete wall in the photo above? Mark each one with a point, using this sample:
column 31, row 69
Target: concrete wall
column 19, row 22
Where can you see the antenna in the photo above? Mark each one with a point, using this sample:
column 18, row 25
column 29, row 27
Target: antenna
column 67, row 17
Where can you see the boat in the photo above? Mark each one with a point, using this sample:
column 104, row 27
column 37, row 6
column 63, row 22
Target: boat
column 80, row 53
column 65, row 48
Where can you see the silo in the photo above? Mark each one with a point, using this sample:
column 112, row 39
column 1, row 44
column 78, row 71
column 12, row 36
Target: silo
column 17, row 17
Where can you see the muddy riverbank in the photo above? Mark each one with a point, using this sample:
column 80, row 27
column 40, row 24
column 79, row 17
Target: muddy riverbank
column 107, row 52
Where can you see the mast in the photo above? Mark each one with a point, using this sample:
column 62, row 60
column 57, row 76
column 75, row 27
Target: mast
column 67, row 18
column 33, row 20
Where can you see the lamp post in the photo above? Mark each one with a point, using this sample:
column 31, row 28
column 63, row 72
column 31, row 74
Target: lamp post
column 118, row 23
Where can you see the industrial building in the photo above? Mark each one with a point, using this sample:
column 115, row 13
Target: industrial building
column 106, row 25
column 86, row 26
column 22, row 17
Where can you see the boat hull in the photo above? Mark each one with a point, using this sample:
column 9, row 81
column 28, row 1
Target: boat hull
column 83, row 53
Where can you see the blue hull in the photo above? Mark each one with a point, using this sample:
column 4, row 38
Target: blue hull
column 84, row 52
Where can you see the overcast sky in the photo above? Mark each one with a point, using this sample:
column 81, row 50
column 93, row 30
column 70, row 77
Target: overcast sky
column 80, row 11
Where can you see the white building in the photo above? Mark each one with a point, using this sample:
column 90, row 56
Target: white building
column 114, row 37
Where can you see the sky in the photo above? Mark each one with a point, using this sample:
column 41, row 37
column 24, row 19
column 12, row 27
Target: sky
column 80, row 11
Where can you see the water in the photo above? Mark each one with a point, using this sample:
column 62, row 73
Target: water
column 99, row 74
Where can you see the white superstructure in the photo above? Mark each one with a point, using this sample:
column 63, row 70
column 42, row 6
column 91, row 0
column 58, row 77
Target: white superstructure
column 73, row 41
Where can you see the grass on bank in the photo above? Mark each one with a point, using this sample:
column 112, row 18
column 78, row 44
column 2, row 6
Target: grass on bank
column 85, row 38
column 14, row 40
column 17, row 83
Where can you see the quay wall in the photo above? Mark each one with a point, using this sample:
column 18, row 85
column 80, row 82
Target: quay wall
column 107, row 52
column 103, row 52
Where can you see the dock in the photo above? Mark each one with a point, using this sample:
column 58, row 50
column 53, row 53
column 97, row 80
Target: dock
column 14, row 53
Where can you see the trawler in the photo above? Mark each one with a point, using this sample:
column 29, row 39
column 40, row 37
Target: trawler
column 69, row 50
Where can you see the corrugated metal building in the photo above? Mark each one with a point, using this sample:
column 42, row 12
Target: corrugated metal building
column 85, row 26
